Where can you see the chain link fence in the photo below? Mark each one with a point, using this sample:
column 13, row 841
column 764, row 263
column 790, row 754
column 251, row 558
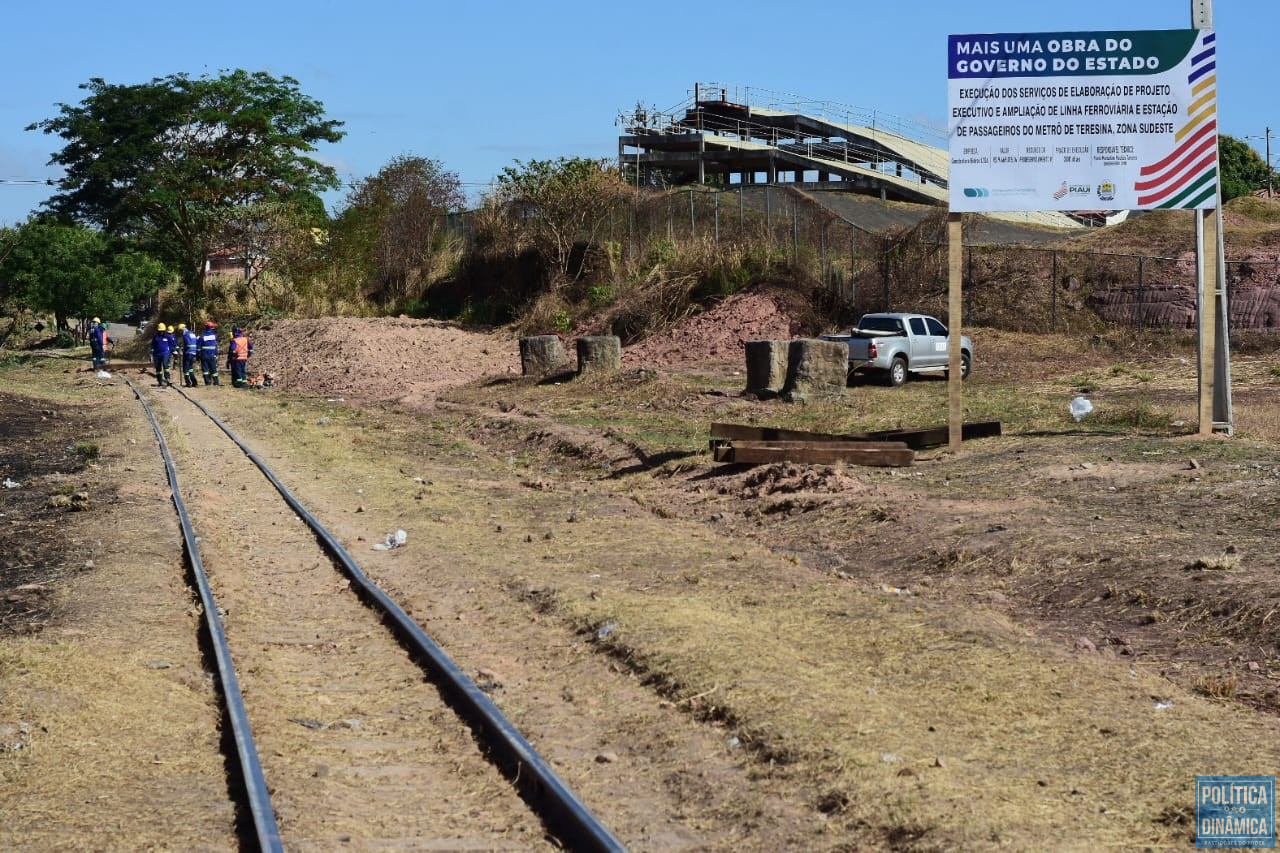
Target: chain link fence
column 905, row 268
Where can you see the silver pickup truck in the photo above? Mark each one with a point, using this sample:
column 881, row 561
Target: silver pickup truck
column 895, row 344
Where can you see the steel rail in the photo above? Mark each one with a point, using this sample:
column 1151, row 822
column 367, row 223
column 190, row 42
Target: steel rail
column 558, row 806
column 264, row 819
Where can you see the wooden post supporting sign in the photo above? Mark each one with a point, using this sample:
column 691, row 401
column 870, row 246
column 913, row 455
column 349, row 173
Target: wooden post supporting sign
column 955, row 281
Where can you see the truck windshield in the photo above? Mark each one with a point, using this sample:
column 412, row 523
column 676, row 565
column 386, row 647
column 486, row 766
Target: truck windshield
column 892, row 325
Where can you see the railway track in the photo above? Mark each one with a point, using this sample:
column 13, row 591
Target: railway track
column 334, row 734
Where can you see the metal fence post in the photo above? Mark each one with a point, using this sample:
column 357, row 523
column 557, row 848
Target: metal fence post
column 1142, row 300
column 884, row 259
column 717, row 217
column 795, row 233
column 853, row 267
column 1053, row 294
column 822, row 249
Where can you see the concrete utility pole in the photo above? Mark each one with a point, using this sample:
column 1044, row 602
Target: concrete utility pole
column 1215, row 414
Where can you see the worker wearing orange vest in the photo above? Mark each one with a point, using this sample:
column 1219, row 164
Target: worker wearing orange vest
column 238, row 357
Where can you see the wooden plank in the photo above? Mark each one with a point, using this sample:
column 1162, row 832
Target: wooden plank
column 742, row 432
column 847, row 452
column 920, row 439
column 722, row 449
column 827, row 445
column 917, row 439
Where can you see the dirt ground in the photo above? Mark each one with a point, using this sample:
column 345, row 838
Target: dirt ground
column 1036, row 643
column 409, row 362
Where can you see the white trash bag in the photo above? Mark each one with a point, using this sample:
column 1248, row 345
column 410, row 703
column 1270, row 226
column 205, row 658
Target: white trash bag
column 393, row 540
column 1080, row 406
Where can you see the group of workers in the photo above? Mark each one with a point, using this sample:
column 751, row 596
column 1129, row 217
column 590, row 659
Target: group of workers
column 178, row 342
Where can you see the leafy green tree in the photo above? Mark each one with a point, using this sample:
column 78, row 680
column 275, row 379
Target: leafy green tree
column 393, row 222
column 177, row 161
column 555, row 204
column 75, row 271
column 1243, row 169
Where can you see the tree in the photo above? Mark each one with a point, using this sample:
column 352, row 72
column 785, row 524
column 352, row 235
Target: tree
column 176, row 161
column 1243, row 169
column 393, row 222
column 75, row 271
column 558, row 203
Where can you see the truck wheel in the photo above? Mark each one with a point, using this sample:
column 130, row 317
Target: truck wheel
column 898, row 372
column 965, row 364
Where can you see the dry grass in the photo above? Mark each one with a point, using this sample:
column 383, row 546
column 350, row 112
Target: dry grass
column 82, row 707
column 938, row 724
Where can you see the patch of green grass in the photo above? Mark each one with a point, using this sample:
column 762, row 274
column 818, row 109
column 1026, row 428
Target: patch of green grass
column 1085, row 382
column 1136, row 415
column 85, row 451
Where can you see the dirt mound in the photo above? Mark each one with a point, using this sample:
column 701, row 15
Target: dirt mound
column 411, row 361
column 374, row 360
column 789, row 478
column 717, row 335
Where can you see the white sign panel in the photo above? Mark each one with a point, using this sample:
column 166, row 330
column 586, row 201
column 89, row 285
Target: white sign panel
column 1083, row 121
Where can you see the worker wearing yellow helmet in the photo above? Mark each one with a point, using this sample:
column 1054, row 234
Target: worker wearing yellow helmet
column 189, row 346
column 171, row 333
column 162, row 344
column 99, row 342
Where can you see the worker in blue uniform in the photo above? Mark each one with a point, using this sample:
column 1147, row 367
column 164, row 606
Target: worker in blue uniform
column 209, row 353
column 99, row 342
column 189, row 346
column 161, row 351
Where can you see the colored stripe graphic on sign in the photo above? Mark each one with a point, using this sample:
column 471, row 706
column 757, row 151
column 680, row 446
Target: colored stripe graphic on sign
column 1188, row 175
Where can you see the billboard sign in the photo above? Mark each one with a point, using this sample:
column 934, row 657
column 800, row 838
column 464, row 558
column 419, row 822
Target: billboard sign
column 1083, row 121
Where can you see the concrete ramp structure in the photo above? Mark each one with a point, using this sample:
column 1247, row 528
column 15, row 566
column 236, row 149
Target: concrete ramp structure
column 818, row 145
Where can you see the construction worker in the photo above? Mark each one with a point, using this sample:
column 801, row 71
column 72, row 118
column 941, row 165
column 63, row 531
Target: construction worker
column 189, row 345
column 161, row 350
column 171, row 334
column 99, row 342
column 238, row 354
column 209, row 353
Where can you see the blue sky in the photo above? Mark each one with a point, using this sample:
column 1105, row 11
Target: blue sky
column 477, row 85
